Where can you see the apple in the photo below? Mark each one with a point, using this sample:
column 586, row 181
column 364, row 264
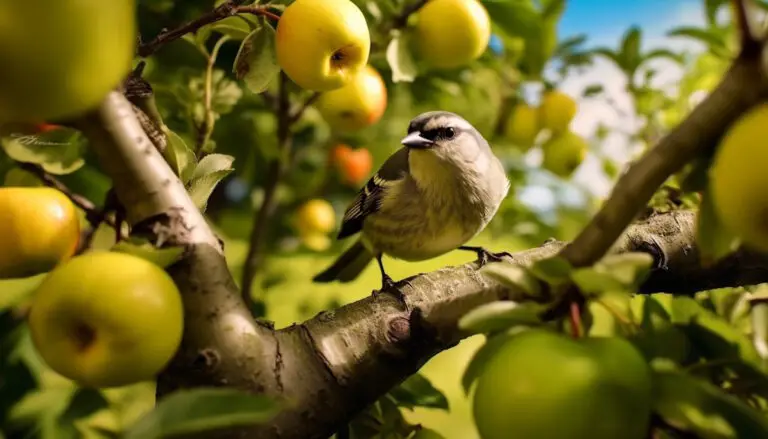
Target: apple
column 354, row 165
column 357, row 105
column 564, row 153
column 522, row 126
column 107, row 319
column 737, row 178
column 451, row 33
column 545, row 385
column 556, row 111
column 315, row 216
column 322, row 44
column 61, row 58
column 315, row 241
column 39, row 227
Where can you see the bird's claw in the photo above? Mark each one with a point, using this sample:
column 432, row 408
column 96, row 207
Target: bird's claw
column 387, row 284
column 484, row 256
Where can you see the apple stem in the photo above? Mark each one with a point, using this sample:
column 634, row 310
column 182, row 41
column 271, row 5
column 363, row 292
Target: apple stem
column 575, row 320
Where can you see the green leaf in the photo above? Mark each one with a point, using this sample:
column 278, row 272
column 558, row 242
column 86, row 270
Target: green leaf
column 759, row 314
column 568, row 45
column 17, row 177
column 162, row 257
column 699, row 407
column 426, row 433
column 235, row 27
column 202, row 410
column 500, row 315
column 417, row 391
column 593, row 282
column 711, row 8
column 630, row 49
column 663, row 53
column 554, row 269
column 552, row 9
column 631, row 268
column 209, row 172
column 486, row 352
column 609, row 54
column 516, row 18
column 59, row 152
column 400, row 58
column 178, row 155
column 715, row 241
column 513, row 276
column 256, row 61
column 710, row 37
column 592, row 90
column 696, row 176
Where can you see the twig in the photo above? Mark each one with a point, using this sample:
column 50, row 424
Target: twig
column 296, row 115
column 741, row 15
column 402, row 19
column 575, row 319
column 206, row 127
column 268, row 205
column 225, row 10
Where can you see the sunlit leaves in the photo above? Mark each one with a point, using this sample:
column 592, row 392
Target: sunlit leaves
column 256, row 62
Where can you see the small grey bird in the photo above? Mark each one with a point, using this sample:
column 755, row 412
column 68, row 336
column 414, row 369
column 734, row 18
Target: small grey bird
column 430, row 197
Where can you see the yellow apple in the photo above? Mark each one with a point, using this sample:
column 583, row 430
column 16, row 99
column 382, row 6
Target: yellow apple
column 564, row 153
column 316, row 241
column 452, row 33
column 107, row 319
column 322, row 44
column 61, row 58
column 738, row 177
column 315, row 216
column 556, row 112
column 359, row 104
column 39, row 228
column 522, row 126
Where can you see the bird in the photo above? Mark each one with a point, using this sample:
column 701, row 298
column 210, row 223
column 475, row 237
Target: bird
column 430, row 197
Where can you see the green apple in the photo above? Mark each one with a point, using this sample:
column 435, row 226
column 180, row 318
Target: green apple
column 61, row 58
column 107, row 319
column 522, row 126
column 359, row 104
column 737, row 178
column 556, row 111
column 39, row 227
column 322, row 44
column 452, row 33
column 564, row 153
column 545, row 385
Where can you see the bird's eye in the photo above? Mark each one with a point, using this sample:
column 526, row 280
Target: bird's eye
column 449, row 133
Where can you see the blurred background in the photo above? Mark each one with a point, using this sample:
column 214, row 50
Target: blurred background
column 633, row 67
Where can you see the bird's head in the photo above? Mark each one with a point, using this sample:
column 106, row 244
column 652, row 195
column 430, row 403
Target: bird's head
column 446, row 137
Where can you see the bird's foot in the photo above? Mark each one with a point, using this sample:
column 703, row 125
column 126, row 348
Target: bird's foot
column 484, row 256
column 389, row 285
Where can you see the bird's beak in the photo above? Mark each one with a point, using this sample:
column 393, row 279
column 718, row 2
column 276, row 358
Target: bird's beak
column 414, row 140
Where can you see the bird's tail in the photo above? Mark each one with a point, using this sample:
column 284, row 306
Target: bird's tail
column 348, row 266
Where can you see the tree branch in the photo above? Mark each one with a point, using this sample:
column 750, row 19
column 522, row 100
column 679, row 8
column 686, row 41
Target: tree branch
column 741, row 15
column 225, row 10
column 697, row 135
column 275, row 173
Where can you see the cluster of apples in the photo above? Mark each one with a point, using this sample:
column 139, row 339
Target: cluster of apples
column 324, row 46
column 102, row 319
column 564, row 150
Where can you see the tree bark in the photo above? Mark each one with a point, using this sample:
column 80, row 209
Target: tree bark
column 330, row 367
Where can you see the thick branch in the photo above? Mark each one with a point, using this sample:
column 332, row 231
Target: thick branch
column 743, row 86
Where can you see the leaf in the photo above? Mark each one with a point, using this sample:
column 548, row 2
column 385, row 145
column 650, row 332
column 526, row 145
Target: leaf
column 17, row 177
column 715, row 240
column 513, row 276
column 696, row 406
column 209, row 172
column 178, row 155
column 417, row 391
column 256, row 61
column 568, row 45
column 162, row 257
column 400, row 58
column 592, row 90
column 500, row 315
column 427, row 433
column 710, row 38
column 712, row 7
column 554, row 269
column 593, row 282
column 759, row 314
column 663, row 53
column 235, row 27
column 486, row 352
column 59, row 152
column 608, row 53
column 630, row 268
column 200, row 410
column 630, row 49
column 553, row 9
column 516, row 18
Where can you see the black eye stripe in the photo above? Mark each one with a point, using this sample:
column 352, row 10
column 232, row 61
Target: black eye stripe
column 441, row 133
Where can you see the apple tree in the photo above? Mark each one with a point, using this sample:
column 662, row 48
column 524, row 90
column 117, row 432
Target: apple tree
column 163, row 160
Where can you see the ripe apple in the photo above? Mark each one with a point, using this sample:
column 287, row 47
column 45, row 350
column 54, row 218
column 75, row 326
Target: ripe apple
column 452, row 33
column 61, row 58
column 107, row 319
column 522, row 126
column 321, row 45
column 339, row 153
column 315, row 216
column 355, row 166
column 564, row 153
column 39, row 228
column 737, row 178
column 556, row 111
column 359, row 104
column 545, row 385
column 315, row 241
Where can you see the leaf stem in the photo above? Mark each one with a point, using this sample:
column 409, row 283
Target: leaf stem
column 577, row 329
column 205, row 130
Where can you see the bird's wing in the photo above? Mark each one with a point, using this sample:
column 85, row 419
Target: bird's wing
column 368, row 200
